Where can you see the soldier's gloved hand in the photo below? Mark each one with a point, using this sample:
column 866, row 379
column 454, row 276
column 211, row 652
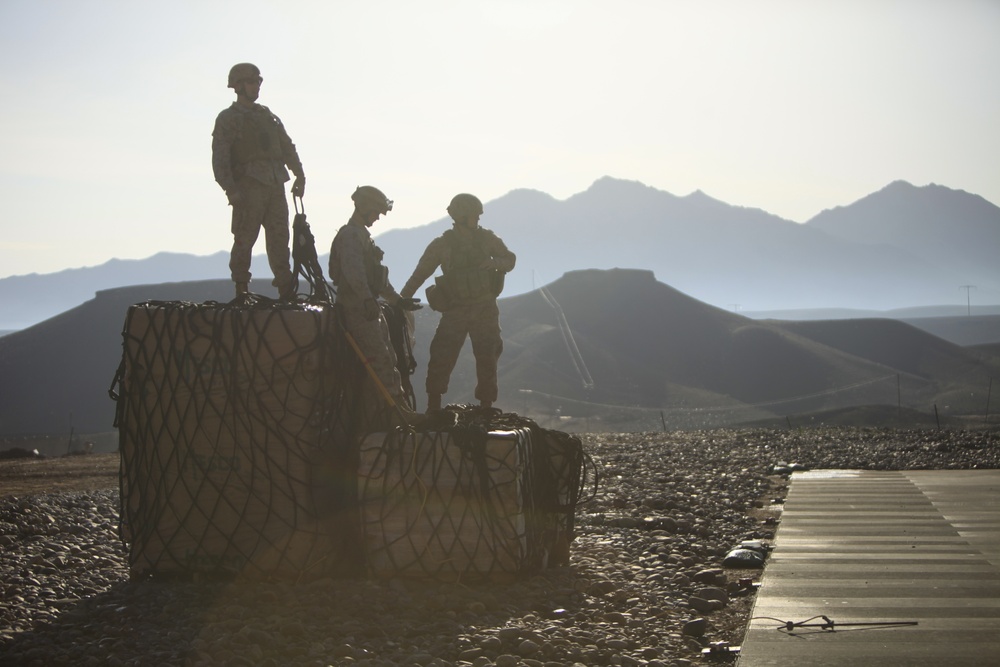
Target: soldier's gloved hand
column 409, row 303
column 370, row 310
column 234, row 196
column 299, row 186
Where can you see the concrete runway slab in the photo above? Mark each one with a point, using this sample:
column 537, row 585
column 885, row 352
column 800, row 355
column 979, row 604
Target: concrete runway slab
column 860, row 546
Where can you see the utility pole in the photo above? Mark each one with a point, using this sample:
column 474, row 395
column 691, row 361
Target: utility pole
column 989, row 392
column 968, row 299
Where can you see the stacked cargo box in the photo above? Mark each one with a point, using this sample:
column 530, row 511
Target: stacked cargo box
column 445, row 505
column 227, row 427
column 247, row 449
column 468, row 503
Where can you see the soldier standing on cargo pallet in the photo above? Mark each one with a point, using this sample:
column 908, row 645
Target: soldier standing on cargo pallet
column 473, row 262
column 250, row 150
column 356, row 269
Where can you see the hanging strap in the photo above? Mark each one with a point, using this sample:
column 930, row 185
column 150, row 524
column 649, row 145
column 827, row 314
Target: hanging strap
column 306, row 260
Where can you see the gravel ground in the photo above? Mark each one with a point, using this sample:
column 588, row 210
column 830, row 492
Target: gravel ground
column 645, row 566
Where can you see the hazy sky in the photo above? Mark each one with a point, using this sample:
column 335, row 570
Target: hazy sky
column 789, row 106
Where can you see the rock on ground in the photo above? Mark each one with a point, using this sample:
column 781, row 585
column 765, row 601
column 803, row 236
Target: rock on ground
column 668, row 509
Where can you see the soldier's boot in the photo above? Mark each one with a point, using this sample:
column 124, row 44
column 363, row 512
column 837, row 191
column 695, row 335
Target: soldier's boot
column 286, row 289
column 411, row 418
column 487, row 410
column 433, row 402
column 242, row 289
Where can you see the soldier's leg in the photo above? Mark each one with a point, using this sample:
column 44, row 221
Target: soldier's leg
column 445, row 348
column 247, row 217
column 487, row 345
column 276, row 239
column 372, row 336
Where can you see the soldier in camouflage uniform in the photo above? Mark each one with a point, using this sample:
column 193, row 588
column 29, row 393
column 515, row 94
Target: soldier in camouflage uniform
column 473, row 263
column 250, row 150
column 356, row 269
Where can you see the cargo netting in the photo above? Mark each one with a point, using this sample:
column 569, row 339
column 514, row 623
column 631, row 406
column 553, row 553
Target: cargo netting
column 493, row 494
column 234, row 427
column 254, row 444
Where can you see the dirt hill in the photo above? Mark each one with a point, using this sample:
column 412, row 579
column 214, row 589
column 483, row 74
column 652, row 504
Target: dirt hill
column 595, row 343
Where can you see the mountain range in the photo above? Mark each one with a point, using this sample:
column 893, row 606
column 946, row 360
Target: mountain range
column 903, row 246
column 596, row 350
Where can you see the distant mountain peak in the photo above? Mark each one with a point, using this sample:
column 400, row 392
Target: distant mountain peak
column 606, row 181
column 916, row 198
column 899, row 193
column 899, row 185
column 701, row 197
column 524, row 196
column 936, row 224
column 619, row 276
column 609, row 185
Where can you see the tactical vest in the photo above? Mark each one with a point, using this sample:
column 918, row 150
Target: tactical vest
column 259, row 138
column 376, row 272
column 462, row 279
column 376, row 275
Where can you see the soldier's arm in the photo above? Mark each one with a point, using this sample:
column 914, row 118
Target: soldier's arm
column 223, row 137
column 503, row 259
column 352, row 264
column 290, row 157
column 428, row 264
column 394, row 298
column 390, row 294
column 288, row 152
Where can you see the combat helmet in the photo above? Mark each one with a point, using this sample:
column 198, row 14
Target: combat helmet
column 463, row 205
column 242, row 71
column 370, row 195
